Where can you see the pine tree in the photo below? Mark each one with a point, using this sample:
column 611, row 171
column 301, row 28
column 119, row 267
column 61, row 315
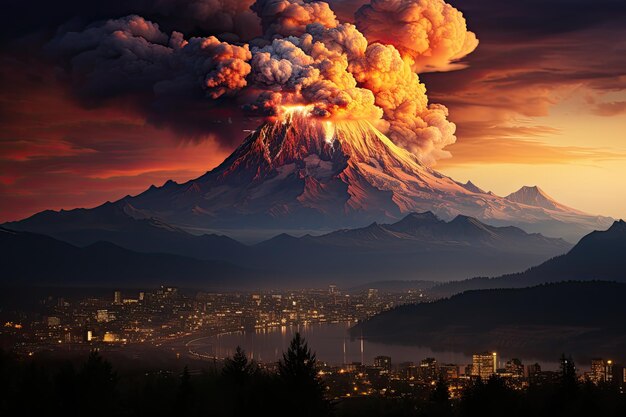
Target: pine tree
column 238, row 369
column 298, row 373
column 237, row 375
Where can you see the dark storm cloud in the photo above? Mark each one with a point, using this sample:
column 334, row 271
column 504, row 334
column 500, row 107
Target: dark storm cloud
column 166, row 77
column 197, row 17
column 28, row 28
column 536, row 18
column 306, row 57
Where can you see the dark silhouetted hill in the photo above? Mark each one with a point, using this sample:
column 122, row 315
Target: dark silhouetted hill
column 420, row 246
column 32, row 259
column 601, row 255
column 585, row 318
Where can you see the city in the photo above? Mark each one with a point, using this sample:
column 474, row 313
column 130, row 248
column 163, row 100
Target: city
column 166, row 314
column 166, row 321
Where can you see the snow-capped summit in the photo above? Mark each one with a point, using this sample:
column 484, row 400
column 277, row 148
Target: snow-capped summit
column 302, row 172
column 535, row 196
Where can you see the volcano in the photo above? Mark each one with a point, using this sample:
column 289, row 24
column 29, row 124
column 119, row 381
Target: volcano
column 300, row 172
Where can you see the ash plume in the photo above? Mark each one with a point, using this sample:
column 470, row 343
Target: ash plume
column 305, row 57
column 430, row 34
column 282, row 18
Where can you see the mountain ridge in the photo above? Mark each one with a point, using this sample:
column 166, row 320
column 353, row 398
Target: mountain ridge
column 414, row 247
column 310, row 174
column 597, row 256
column 33, row 259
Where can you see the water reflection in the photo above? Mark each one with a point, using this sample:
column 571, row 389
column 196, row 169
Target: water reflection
column 330, row 342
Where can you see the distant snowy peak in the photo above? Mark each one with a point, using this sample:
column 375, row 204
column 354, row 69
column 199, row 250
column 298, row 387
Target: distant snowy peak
column 470, row 186
column 536, row 197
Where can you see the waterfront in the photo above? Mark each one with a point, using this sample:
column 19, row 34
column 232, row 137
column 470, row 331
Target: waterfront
column 330, row 341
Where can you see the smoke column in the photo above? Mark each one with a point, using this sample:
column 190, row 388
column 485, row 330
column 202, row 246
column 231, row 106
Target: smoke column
column 304, row 57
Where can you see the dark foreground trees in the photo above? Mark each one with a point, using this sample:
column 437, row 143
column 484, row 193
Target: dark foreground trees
column 38, row 388
column 240, row 388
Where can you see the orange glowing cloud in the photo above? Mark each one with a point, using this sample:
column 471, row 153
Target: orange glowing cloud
column 431, row 34
column 306, row 57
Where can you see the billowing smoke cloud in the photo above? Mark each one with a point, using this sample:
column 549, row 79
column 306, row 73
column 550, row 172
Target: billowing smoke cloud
column 169, row 79
column 305, row 57
column 430, row 34
column 407, row 119
column 410, row 121
column 291, row 17
column 303, row 70
column 132, row 54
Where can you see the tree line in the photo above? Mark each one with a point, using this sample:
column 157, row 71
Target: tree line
column 94, row 388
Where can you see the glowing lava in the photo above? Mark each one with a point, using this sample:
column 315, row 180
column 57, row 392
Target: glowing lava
column 298, row 116
column 329, row 132
column 296, row 109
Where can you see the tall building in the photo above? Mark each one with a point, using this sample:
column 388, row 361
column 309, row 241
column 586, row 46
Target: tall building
column 408, row 370
column 449, row 371
column 601, row 371
column 429, row 369
column 484, row 364
column 515, row 368
column 117, row 297
column 383, row 362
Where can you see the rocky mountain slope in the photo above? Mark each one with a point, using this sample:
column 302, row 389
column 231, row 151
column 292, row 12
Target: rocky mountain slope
column 303, row 173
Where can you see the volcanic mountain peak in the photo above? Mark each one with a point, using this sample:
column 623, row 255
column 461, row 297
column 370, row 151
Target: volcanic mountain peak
column 322, row 146
column 306, row 173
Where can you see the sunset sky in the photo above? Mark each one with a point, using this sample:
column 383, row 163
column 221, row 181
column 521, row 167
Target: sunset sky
column 541, row 101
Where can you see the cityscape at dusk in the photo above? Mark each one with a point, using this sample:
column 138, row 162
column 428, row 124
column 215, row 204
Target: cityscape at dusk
column 178, row 327
column 318, row 208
